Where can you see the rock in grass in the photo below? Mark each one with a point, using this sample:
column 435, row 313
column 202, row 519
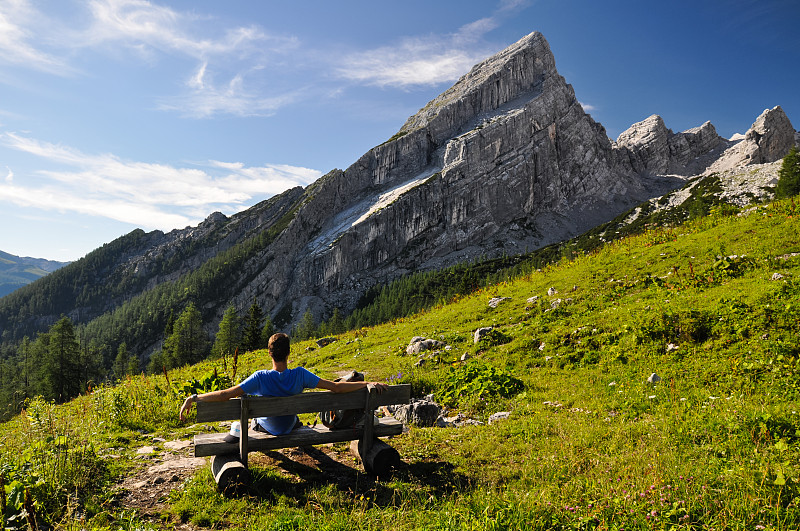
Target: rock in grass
column 653, row 378
column 420, row 344
column 494, row 302
column 422, row 413
column 325, row 341
column 480, row 332
column 501, row 415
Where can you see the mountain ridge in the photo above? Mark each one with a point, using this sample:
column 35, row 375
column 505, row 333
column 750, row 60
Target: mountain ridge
column 18, row 271
column 503, row 162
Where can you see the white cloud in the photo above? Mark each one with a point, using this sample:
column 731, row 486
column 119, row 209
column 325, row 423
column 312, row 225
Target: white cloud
column 17, row 22
column 414, row 62
column 205, row 98
column 144, row 194
column 9, row 175
column 427, row 60
column 587, row 107
column 29, row 39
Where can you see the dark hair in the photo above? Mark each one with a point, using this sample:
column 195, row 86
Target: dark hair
column 279, row 346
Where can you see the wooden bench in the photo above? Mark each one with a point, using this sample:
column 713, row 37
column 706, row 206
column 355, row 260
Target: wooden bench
column 229, row 460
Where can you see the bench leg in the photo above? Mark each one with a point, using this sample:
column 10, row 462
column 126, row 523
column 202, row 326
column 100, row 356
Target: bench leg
column 231, row 475
column 380, row 458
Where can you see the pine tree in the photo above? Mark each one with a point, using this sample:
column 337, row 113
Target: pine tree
column 133, row 364
column 267, row 332
column 335, row 323
column 189, row 342
column 306, row 327
column 61, row 369
column 229, row 336
column 789, row 176
column 121, row 362
column 251, row 336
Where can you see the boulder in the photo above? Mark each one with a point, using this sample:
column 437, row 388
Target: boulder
column 325, row 341
column 421, row 413
column 420, row 344
column 479, row 333
column 495, row 301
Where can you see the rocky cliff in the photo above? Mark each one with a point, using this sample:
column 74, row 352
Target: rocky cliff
column 503, row 162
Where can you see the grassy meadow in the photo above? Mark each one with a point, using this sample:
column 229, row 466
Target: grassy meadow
column 711, row 306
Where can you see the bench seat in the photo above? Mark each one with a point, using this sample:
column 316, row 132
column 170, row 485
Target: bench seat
column 213, row 443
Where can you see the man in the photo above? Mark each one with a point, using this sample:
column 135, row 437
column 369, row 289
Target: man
column 280, row 381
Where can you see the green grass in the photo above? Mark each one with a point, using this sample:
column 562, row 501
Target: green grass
column 590, row 444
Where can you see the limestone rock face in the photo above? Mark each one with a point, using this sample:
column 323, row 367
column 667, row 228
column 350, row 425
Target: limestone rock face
column 769, row 138
column 652, row 149
column 503, row 162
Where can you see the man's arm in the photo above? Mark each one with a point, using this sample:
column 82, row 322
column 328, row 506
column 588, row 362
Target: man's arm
column 347, row 387
column 213, row 396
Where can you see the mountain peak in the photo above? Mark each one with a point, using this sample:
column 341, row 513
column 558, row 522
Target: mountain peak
column 517, row 71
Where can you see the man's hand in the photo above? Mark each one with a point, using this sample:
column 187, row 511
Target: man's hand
column 186, row 407
column 377, row 386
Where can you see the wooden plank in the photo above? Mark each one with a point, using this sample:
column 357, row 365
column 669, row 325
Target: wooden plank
column 244, row 419
column 214, row 443
column 311, row 402
column 365, row 442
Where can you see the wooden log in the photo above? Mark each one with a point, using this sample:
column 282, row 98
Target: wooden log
column 379, row 460
column 231, row 475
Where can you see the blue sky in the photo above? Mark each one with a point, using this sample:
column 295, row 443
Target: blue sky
column 118, row 114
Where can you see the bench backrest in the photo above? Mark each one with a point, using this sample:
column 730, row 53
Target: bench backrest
column 313, row 402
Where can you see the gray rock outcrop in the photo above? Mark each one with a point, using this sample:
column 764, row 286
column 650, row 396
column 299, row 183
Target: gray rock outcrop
column 769, row 139
column 505, row 161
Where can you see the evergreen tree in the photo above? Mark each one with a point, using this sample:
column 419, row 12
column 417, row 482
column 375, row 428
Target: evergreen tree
column 26, row 367
column 156, row 364
column 189, row 342
column 306, row 327
column 170, row 324
column 267, row 332
column 133, row 364
column 229, row 336
column 121, row 362
column 251, row 336
column 789, row 176
column 335, row 323
column 61, row 370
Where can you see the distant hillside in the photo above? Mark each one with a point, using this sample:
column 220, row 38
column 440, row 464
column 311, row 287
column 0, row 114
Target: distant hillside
column 16, row 271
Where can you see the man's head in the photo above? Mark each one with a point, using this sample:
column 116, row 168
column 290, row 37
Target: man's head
column 279, row 347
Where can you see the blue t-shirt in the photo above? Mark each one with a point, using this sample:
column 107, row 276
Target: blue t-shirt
column 273, row 383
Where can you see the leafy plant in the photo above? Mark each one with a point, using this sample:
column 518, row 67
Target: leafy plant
column 211, row 381
column 478, row 379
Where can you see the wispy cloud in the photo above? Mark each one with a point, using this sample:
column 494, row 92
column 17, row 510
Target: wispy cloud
column 19, row 25
column 152, row 196
column 232, row 56
column 205, row 98
column 427, row 60
column 219, row 61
